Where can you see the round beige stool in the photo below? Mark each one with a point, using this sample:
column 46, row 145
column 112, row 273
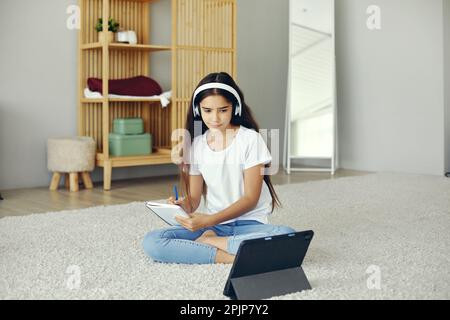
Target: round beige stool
column 71, row 157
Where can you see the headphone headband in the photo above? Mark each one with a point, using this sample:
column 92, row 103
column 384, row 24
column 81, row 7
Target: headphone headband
column 216, row 85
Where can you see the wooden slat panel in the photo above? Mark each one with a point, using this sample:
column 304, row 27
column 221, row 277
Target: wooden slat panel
column 209, row 38
column 183, row 79
column 144, row 62
column 215, row 24
column 216, row 61
column 105, row 75
column 98, row 126
column 234, row 38
column 175, row 38
column 80, row 74
column 229, row 27
column 207, row 24
column 91, row 115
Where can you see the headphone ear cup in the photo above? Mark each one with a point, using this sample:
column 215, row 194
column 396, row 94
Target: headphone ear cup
column 196, row 111
column 238, row 110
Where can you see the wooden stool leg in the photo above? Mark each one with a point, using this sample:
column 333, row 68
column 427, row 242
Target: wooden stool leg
column 55, row 181
column 87, row 180
column 74, row 181
column 107, row 170
column 67, row 181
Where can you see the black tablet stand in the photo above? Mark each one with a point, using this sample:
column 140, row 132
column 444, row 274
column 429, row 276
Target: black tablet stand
column 270, row 284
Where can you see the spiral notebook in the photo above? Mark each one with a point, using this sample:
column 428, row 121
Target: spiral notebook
column 167, row 212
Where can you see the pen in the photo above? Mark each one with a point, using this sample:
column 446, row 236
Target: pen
column 175, row 191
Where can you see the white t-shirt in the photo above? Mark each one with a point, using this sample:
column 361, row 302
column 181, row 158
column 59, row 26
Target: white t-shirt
column 223, row 172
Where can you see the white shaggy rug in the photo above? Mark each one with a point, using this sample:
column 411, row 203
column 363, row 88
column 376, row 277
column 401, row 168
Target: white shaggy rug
column 379, row 236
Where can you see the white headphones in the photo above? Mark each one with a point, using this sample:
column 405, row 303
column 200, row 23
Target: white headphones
column 216, row 85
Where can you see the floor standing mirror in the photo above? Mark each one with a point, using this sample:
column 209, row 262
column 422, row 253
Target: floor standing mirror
column 310, row 135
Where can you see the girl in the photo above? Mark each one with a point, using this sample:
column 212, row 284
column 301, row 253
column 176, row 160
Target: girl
column 226, row 164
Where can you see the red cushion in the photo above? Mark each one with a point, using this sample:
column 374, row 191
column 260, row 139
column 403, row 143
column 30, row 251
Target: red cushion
column 136, row 86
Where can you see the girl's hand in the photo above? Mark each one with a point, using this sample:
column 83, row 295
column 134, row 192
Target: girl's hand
column 179, row 202
column 196, row 221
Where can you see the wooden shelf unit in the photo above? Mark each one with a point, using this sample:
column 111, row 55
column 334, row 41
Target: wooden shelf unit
column 125, row 46
column 203, row 40
column 100, row 100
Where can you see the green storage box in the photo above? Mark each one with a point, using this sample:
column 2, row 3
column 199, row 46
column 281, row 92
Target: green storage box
column 128, row 126
column 130, row 144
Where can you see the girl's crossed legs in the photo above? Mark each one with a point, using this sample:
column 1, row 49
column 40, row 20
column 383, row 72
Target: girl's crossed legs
column 209, row 245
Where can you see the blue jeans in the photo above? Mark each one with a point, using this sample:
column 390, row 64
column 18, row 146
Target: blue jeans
column 177, row 245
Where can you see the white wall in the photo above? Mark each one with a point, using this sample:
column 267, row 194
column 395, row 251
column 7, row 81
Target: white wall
column 37, row 87
column 447, row 82
column 390, row 86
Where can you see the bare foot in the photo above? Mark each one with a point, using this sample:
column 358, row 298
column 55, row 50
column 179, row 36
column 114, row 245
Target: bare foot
column 210, row 237
column 224, row 257
column 204, row 237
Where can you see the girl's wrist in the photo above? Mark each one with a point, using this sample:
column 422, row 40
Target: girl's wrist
column 214, row 220
column 210, row 221
column 185, row 208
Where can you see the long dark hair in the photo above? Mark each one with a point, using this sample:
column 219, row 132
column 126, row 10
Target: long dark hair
column 246, row 119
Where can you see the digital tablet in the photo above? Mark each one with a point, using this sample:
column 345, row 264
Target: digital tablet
column 269, row 266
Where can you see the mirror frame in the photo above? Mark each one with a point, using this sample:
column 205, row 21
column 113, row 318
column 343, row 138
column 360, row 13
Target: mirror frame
column 287, row 133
